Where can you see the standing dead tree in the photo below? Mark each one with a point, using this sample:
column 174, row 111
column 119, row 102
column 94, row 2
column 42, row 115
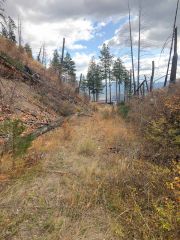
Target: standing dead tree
column 63, row 48
column 19, row 32
column 152, row 77
column 132, row 54
column 139, row 46
column 175, row 59
column 171, row 47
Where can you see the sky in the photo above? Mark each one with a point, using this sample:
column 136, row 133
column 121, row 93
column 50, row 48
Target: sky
column 87, row 24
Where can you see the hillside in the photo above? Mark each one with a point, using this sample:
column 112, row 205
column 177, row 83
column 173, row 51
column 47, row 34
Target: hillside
column 31, row 93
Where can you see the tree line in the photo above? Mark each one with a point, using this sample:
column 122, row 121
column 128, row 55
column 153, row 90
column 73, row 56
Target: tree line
column 103, row 74
column 66, row 69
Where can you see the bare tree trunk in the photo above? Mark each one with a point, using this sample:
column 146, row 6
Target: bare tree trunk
column 119, row 91
column 152, row 77
column 170, row 53
column 116, row 90
column 174, row 61
column 110, row 95
column 80, row 81
column 139, row 47
column 89, row 94
column 147, row 87
column 143, row 89
column 63, row 48
column 19, row 32
column 106, row 91
column 130, row 84
column 39, row 55
column 132, row 54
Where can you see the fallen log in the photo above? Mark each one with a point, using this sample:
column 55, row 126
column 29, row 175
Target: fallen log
column 46, row 128
column 5, row 148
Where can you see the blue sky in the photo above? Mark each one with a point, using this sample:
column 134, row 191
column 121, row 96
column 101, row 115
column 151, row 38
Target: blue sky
column 101, row 35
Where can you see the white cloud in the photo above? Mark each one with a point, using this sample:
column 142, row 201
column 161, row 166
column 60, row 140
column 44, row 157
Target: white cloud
column 52, row 34
column 82, row 61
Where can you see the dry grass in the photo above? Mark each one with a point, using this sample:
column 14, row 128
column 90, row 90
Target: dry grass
column 87, row 148
column 19, row 54
column 109, row 194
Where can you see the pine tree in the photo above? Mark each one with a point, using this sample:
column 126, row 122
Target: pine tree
column 55, row 62
column 84, row 85
column 118, row 72
column 94, row 79
column 106, row 61
column 28, row 50
column 98, row 81
column 69, row 66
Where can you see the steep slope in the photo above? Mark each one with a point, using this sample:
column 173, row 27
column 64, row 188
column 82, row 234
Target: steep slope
column 31, row 93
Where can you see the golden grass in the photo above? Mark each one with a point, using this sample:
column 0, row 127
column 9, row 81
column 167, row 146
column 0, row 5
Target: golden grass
column 105, row 195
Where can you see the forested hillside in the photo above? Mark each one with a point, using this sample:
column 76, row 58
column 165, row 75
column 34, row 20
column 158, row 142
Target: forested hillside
column 90, row 125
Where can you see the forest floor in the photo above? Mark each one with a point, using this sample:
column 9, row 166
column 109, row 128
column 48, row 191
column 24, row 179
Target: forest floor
column 73, row 192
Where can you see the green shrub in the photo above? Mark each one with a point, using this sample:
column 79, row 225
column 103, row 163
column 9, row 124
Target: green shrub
column 123, row 110
column 16, row 144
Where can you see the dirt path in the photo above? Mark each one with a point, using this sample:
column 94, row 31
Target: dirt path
column 62, row 197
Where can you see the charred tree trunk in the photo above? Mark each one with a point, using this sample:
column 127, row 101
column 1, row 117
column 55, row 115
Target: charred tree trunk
column 63, row 48
column 139, row 48
column 170, row 53
column 152, row 77
column 175, row 60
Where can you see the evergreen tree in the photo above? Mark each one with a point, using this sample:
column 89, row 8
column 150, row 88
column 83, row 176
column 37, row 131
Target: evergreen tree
column 69, row 65
column 94, row 79
column 84, row 85
column 118, row 72
column 106, row 61
column 28, row 50
column 55, row 63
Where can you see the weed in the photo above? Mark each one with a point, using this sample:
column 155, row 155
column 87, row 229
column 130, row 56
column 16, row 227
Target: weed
column 87, row 148
column 67, row 131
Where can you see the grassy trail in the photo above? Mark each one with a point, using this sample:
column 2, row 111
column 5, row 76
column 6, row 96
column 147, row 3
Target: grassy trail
column 77, row 191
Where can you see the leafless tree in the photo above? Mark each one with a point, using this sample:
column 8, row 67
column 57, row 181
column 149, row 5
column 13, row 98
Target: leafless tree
column 131, row 41
column 171, row 48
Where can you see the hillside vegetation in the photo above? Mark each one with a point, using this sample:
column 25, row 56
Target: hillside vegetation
column 103, row 172
column 91, row 181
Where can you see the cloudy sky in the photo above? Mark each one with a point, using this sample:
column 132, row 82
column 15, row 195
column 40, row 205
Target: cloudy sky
column 87, row 24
